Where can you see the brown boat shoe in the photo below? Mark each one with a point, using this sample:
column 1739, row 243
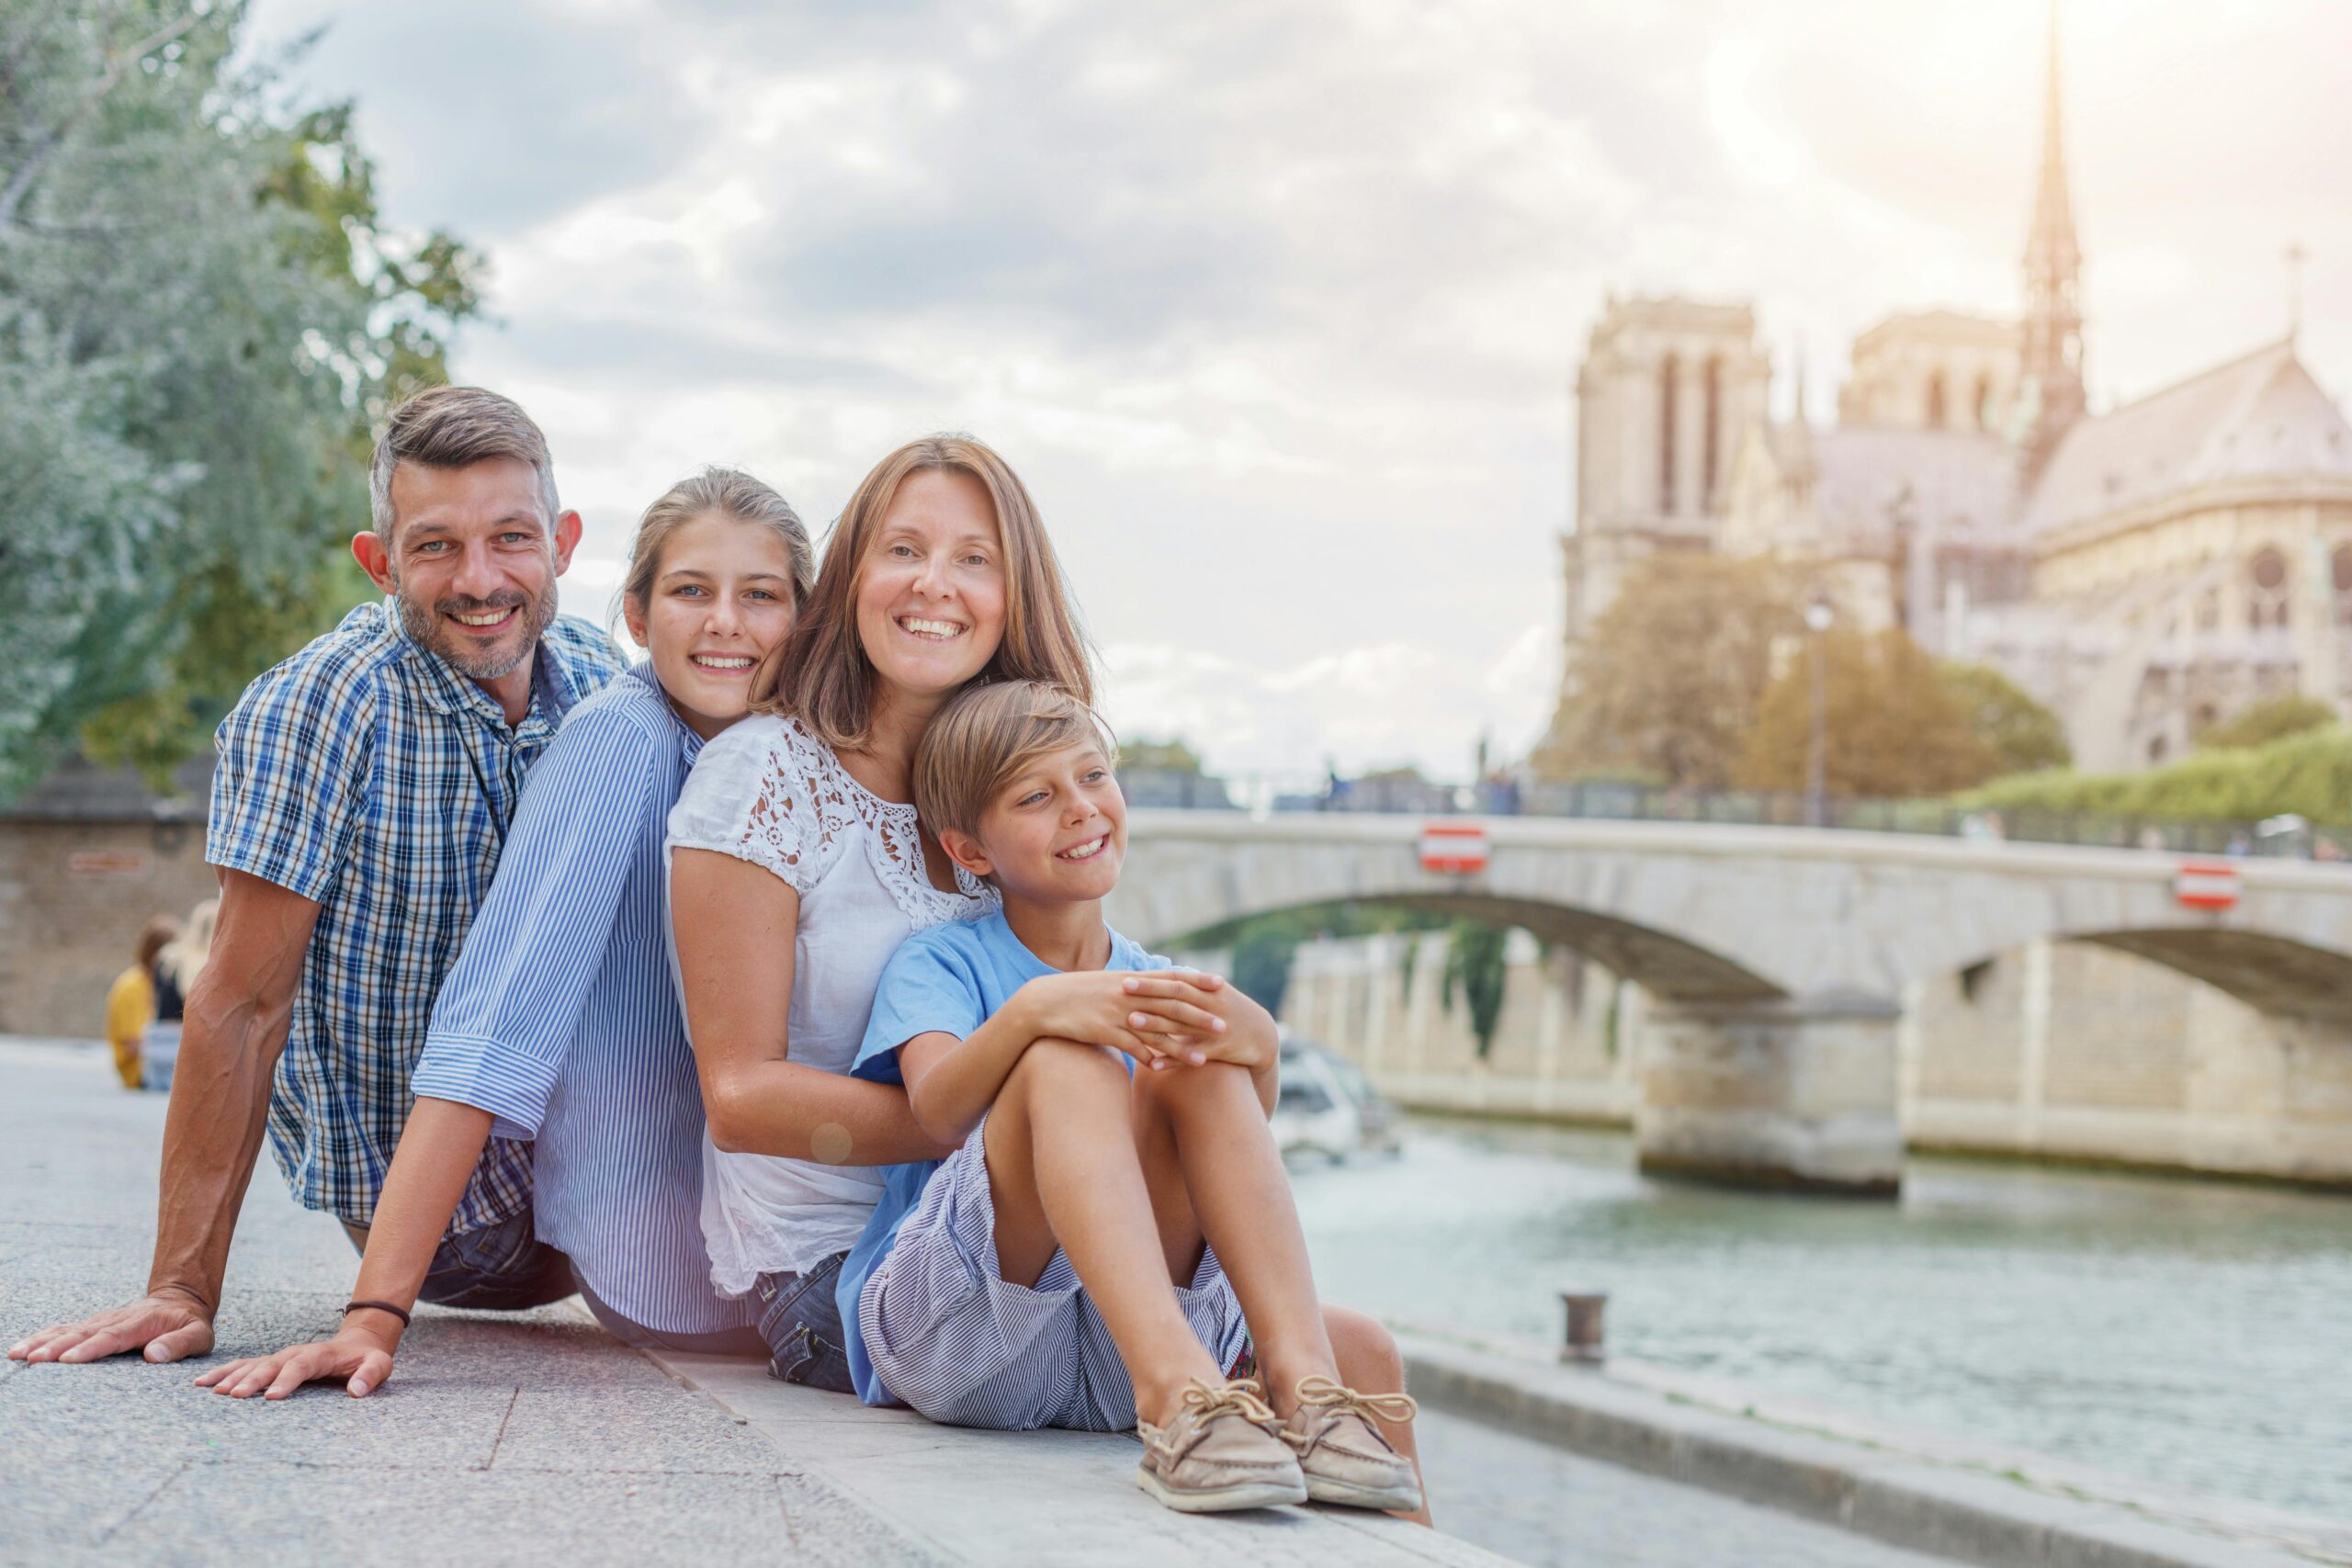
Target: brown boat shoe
column 1221, row 1450
column 1342, row 1452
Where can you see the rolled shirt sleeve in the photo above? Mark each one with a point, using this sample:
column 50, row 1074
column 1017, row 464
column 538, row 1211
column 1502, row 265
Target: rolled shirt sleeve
column 506, row 1015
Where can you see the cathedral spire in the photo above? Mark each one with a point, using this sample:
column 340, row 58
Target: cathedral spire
column 2052, row 346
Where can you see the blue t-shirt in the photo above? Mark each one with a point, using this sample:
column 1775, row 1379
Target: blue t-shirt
column 949, row 980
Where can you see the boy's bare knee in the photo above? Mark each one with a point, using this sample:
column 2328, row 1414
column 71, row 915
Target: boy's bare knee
column 1365, row 1350
column 1062, row 1067
column 1210, row 1080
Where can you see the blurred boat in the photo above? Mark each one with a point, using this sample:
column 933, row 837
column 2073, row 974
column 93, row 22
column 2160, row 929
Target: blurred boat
column 1327, row 1106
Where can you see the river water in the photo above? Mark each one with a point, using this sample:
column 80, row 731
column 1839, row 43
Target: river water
column 2194, row 1334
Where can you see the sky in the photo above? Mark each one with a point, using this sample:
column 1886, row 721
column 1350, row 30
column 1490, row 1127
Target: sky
column 1276, row 307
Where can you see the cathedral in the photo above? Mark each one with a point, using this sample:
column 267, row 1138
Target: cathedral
column 2146, row 572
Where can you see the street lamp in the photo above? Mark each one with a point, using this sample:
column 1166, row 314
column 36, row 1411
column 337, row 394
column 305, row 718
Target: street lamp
column 1817, row 616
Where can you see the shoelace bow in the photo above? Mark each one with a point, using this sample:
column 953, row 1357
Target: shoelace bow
column 1324, row 1393
column 1241, row 1397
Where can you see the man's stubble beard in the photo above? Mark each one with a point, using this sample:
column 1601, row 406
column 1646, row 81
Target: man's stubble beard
column 429, row 628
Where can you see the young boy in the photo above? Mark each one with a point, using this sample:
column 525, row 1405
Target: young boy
column 1106, row 1244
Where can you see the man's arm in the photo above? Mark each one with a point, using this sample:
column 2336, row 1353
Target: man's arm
column 236, row 1030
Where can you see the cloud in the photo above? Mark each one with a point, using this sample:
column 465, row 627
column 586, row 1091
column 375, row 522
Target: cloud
column 1276, row 309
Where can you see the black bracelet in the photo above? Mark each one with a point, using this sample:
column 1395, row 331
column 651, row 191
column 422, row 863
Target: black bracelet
column 380, row 1306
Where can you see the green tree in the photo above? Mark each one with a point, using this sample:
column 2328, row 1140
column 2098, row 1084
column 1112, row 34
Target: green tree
column 2025, row 737
column 1893, row 729
column 2308, row 774
column 2266, row 722
column 1261, row 960
column 1264, row 946
column 1667, row 686
column 1174, row 756
column 199, row 315
column 1474, row 968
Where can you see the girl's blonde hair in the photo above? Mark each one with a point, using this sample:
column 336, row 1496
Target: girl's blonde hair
column 729, row 492
column 821, row 674
column 184, row 958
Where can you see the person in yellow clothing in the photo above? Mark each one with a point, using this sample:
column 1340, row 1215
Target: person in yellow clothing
column 130, row 1000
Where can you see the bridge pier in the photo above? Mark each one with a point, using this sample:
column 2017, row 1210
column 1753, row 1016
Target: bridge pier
column 1788, row 1093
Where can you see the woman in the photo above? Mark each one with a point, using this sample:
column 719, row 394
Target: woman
column 796, row 838
column 130, row 1000
column 560, row 1022
column 176, row 967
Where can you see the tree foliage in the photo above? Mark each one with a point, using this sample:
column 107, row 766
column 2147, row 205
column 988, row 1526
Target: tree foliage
column 1172, row 756
column 2025, row 737
column 1474, row 969
column 200, row 314
column 2308, row 774
column 1892, row 728
column 1669, row 684
column 1261, row 960
column 2266, row 722
column 1263, row 945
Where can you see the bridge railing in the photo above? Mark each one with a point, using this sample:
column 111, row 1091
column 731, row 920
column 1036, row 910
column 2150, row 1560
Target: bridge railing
column 2289, row 838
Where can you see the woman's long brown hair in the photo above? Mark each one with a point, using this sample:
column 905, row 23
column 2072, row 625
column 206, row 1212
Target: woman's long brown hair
column 821, row 674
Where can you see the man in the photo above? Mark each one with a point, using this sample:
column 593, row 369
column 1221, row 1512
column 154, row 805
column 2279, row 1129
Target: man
column 361, row 800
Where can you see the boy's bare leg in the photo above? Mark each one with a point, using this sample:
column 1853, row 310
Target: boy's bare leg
column 1369, row 1364
column 1240, row 1201
column 1063, row 1168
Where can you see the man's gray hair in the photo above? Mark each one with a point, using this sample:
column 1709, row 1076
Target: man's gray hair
column 455, row 427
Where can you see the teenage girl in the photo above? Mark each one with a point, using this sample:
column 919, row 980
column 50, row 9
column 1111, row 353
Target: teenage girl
column 560, row 1022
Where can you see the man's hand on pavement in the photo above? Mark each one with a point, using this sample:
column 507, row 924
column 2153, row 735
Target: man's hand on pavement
column 164, row 1328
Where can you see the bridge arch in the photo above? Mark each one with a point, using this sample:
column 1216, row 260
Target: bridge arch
column 1658, row 961
column 2271, row 974
column 1778, row 957
column 1185, row 875
column 1715, row 914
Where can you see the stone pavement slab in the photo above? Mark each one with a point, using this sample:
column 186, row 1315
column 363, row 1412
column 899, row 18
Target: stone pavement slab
column 1044, row 1499
column 533, row 1438
column 502, row 1438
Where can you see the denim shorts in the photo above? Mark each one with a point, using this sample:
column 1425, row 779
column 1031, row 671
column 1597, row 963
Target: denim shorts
column 802, row 1324
column 500, row 1267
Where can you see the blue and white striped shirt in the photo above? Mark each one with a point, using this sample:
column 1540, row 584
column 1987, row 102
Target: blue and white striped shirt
column 560, row 1019
column 367, row 775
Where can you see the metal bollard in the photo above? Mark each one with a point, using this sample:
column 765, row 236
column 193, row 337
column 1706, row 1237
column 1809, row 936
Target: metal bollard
column 1583, row 1346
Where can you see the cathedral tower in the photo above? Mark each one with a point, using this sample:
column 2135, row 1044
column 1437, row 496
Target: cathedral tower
column 2051, row 338
column 1666, row 390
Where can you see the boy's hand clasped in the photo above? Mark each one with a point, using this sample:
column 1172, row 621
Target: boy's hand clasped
column 1163, row 1017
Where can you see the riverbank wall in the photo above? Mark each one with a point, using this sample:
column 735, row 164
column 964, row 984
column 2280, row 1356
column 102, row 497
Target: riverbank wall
column 2056, row 1050
column 1952, row 1496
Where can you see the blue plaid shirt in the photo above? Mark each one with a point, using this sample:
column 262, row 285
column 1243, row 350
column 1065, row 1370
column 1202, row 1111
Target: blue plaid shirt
column 371, row 777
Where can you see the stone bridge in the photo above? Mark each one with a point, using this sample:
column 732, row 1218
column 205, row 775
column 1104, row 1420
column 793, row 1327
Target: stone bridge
column 1776, row 954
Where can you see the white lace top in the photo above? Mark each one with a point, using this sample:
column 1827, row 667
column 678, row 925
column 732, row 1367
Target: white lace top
column 768, row 792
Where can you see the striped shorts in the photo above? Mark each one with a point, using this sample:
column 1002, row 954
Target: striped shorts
column 949, row 1335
